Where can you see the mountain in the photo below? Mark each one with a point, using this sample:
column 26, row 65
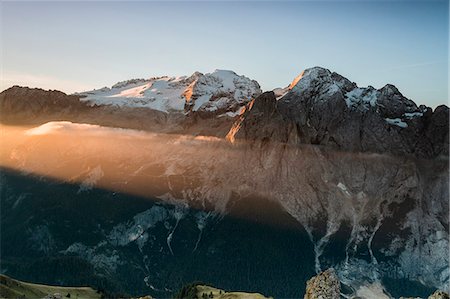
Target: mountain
column 220, row 92
column 320, row 174
column 324, row 108
column 203, row 104
column 19, row 105
column 319, row 107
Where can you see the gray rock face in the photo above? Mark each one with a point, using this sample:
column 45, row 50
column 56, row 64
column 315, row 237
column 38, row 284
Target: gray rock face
column 18, row 103
column 325, row 108
column 325, row 285
column 262, row 122
column 33, row 106
column 367, row 215
column 225, row 90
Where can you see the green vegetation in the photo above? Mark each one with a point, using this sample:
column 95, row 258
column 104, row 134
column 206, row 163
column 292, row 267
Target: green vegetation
column 188, row 291
column 42, row 218
column 11, row 288
column 201, row 291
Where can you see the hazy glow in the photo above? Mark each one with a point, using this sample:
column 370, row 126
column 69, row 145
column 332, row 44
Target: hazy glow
column 129, row 161
column 77, row 129
column 205, row 172
column 81, row 45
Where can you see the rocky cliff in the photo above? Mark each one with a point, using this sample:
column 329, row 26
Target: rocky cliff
column 354, row 178
column 324, row 108
column 325, row 285
column 320, row 107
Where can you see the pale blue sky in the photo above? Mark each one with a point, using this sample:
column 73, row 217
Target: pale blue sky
column 74, row 46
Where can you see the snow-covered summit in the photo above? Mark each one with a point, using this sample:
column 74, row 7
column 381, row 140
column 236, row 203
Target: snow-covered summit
column 322, row 85
column 320, row 81
column 220, row 92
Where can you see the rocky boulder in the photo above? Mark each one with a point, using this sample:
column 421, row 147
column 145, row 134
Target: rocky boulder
column 325, row 285
column 439, row 295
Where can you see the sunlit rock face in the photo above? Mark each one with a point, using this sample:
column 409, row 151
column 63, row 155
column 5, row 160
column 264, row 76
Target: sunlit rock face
column 217, row 93
column 326, row 175
column 389, row 165
column 439, row 295
column 324, row 285
column 200, row 104
column 327, row 109
column 220, row 92
column 373, row 217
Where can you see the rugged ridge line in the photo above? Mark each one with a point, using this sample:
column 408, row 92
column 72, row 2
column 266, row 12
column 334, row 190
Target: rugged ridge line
column 319, row 107
column 324, row 108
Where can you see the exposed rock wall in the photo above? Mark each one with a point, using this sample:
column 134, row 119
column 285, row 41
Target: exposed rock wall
column 325, row 285
column 325, row 108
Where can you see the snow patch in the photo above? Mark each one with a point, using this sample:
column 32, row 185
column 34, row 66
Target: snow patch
column 396, row 122
column 178, row 214
column 201, row 219
column 362, row 98
column 92, row 178
column 311, row 78
column 372, row 291
column 343, row 188
column 281, row 92
column 413, row 115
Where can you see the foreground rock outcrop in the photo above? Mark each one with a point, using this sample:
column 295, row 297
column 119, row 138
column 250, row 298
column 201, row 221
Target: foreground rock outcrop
column 325, row 285
column 439, row 295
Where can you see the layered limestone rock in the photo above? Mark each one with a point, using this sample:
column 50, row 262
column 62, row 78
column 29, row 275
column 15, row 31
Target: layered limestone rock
column 311, row 150
column 219, row 92
column 325, row 285
column 367, row 215
column 327, row 109
column 32, row 106
column 439, row 295
column 436, row 295
column 201, row 104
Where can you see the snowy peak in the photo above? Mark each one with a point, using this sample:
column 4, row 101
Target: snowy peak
column 325, row 108
column 158, row 93
column 129, row 82
column 219, row 92
column 322, row 80
column 322, row 85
